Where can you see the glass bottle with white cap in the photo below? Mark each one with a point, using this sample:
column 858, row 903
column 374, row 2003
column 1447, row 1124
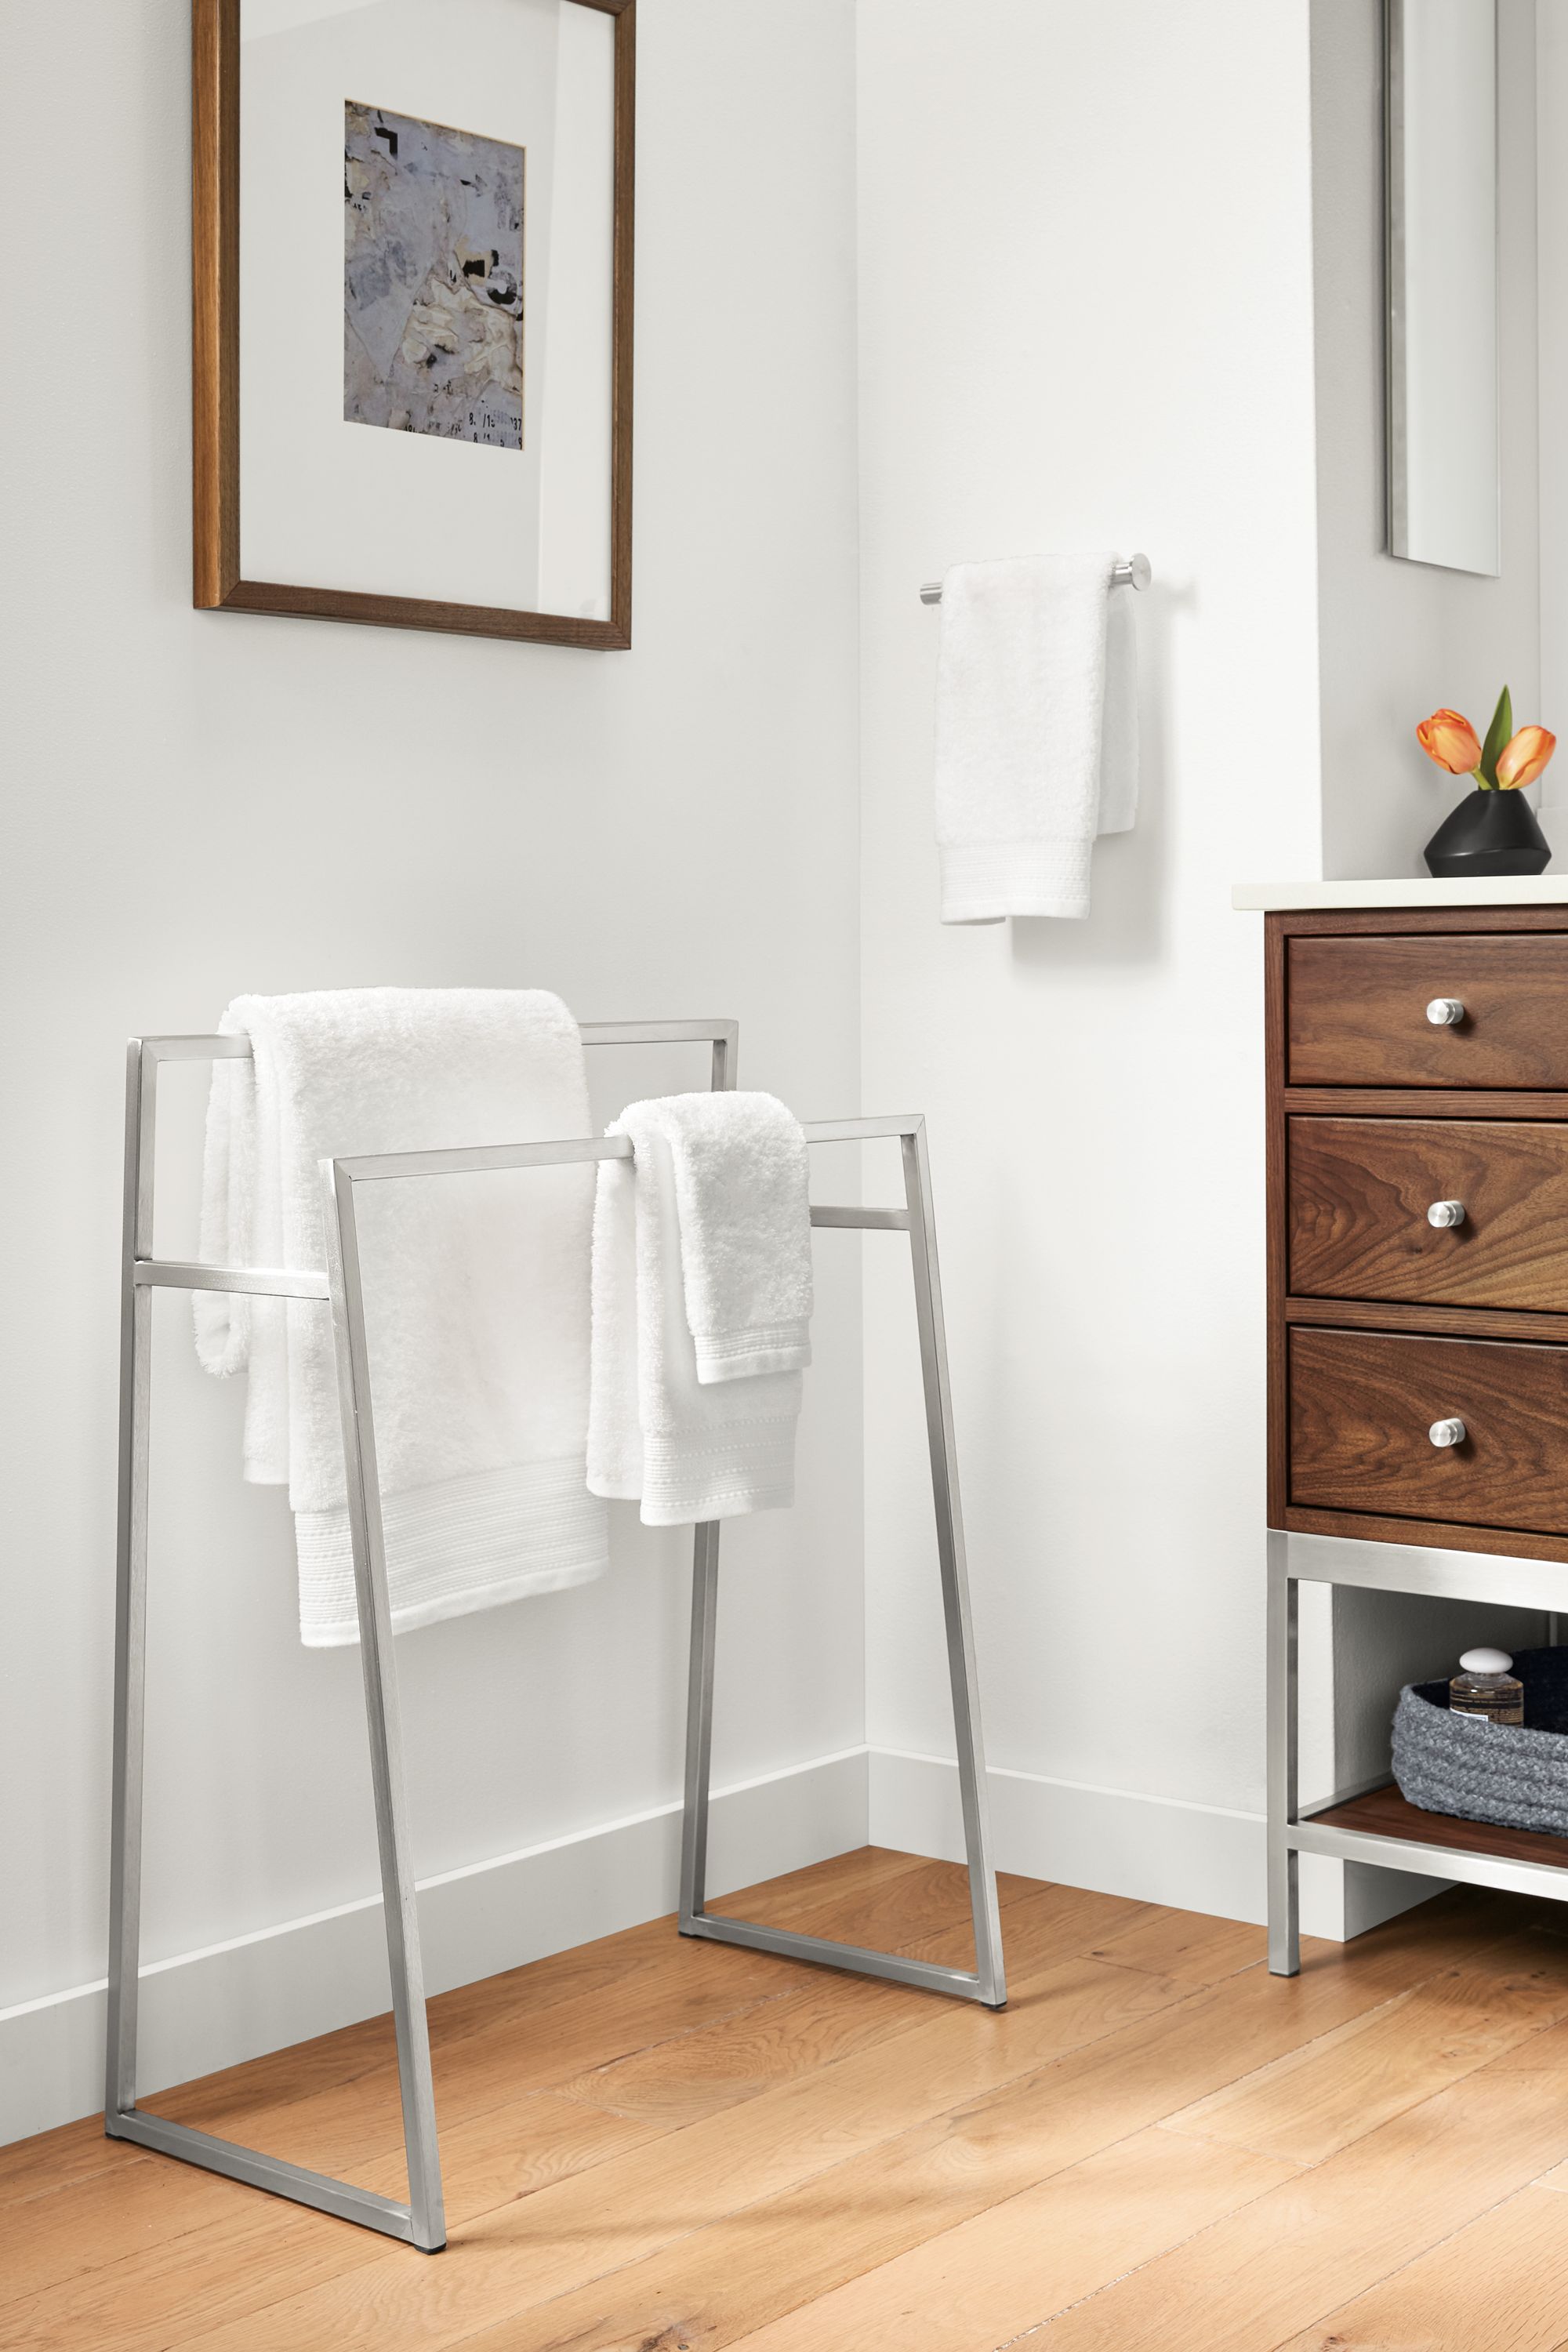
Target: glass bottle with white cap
column 1485, row 1687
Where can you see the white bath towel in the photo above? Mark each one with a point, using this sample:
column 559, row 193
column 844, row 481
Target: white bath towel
column 742, row 1197
column 655, row 1433
column 477, row 1289
column 1037, row 732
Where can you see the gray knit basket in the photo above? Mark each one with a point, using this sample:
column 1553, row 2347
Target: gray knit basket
column 1513, row 1774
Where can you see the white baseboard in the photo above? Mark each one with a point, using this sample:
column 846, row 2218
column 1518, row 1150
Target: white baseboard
column 203, row 2010
column 1151, row 1848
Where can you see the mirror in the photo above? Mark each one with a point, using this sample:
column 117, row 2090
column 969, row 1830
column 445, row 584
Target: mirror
column 1443, row 353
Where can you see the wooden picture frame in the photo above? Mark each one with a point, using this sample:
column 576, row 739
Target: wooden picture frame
column 218, row 584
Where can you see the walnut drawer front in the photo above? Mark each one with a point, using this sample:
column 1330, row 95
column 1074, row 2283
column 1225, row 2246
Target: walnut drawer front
column 1357, row 1011
column 1360, row 1406
column 1359, row 1191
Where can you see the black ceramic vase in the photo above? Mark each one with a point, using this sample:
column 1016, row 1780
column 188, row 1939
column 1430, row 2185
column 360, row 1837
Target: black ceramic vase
column 1489, row 833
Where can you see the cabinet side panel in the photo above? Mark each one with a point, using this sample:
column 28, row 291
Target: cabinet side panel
column 1275, row 1021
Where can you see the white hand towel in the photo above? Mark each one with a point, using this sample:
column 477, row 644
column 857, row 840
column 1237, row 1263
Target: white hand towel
column 477, row 1289
column 655, row 1433
column 1037, row 732
column 742, row 1198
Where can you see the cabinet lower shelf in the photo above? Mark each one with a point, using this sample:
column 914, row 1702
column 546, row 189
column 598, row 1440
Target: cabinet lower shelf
column 1384, row 1814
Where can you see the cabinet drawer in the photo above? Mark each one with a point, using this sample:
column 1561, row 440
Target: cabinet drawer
column 1360, row 1189
column 1357, row 1011
column 1362, row 1404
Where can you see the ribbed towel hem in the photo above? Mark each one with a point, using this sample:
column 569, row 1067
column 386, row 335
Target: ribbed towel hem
column 464, row 1544
column 764, row 1348
column 720, row 1475
column 982, row 881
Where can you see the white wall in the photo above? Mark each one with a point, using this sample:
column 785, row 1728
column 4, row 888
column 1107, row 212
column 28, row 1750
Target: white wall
column 200, row 803
column 1087, row 301
column 1400, row 639
column 1086, row 282
column 1552, row 242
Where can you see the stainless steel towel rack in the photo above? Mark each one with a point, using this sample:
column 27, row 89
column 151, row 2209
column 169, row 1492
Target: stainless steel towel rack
column 421, row 2221
column 1136, row 572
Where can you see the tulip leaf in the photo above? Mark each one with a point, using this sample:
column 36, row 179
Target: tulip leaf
column 1498, row 735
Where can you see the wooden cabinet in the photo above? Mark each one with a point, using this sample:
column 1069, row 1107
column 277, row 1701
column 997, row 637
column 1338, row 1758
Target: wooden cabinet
column 1418, row 1227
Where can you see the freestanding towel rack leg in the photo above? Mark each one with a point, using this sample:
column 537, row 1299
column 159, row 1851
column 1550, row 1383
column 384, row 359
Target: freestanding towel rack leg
column 421, row 2221
column 985, row 1983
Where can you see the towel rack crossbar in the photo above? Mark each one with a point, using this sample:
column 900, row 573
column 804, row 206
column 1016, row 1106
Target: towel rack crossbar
column 257, row 1281
column 421, row 2221
column 285, row 1282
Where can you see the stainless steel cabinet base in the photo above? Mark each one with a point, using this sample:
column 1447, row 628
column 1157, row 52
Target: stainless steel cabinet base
column 1294, row 1560
column 421, row 2221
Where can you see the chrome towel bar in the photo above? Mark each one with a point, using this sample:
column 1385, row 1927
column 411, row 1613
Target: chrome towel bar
column 1136, row 572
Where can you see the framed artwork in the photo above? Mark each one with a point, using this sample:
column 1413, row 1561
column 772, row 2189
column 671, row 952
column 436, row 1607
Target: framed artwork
column 413, row 313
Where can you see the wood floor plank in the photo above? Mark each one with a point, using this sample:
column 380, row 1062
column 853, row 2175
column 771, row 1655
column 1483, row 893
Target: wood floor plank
column 246, row 2099
column 1187, row 1944
column 570, row 2234
column 763, row 2259
column 656, row 2132
column 921, row 1899
column 153, row 2297
column 176, row 2282
column 1251, row 2282
column 631, row 1972
column 1543, row 2054
column 829, row 2016
column 353, row 2129
column 740, row 2057
column 644, row 1992
column 1347, row 2081
column 51, row 2160
column 1048, row 1924
column 1011, row 2267
column 1499, row 2285
column 848, row 1886
column 490, row 2162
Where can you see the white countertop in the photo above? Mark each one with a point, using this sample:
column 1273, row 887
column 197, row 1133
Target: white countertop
column 1503, row 890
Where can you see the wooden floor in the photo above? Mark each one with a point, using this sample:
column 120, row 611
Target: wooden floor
column 654, row 2145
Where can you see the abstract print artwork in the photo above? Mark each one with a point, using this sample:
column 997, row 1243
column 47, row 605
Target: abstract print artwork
column 432, row 279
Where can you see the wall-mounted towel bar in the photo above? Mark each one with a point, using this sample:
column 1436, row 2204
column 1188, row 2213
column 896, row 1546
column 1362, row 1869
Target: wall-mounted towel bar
column 1136, row 572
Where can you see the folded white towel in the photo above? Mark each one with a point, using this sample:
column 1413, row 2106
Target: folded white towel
column 1037, row 732
column 475, row 1289
column 742, row 1196
column 655, row 1433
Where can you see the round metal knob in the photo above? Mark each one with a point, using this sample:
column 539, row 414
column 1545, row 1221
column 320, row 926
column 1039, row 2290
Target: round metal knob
column 1446, row 1213
column 1445, row 1011
column 1446, row 1433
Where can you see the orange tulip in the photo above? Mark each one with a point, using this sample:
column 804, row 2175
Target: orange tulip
column 1449, row 738
column 1522, row 761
